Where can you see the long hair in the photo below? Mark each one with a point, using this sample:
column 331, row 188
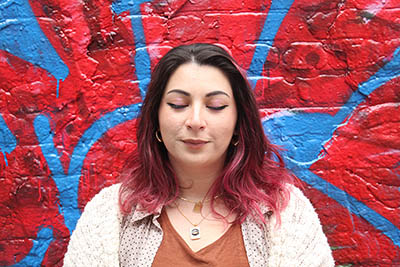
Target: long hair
column 254, row 172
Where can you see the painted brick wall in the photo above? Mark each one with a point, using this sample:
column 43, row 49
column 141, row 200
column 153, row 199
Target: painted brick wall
column 73, row 73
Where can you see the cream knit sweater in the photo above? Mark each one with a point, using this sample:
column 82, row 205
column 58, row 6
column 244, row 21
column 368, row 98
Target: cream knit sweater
column 298, row 241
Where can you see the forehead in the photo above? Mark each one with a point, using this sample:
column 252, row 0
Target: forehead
column 195, row 78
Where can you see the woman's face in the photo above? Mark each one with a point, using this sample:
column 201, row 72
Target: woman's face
column 197, row 116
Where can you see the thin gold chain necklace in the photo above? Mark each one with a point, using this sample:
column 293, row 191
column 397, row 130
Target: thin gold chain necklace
column 198, row 205
column 195, row 230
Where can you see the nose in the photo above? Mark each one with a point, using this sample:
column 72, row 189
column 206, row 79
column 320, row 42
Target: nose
column 195, row 119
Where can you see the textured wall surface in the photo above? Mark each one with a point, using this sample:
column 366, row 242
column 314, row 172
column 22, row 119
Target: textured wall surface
column 73, row 73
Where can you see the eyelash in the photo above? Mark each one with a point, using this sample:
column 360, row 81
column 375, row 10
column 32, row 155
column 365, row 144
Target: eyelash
column 177, row 106
column 174, row 106
column 218, row 108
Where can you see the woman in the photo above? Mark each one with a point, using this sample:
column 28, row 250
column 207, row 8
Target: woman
column 204, row 187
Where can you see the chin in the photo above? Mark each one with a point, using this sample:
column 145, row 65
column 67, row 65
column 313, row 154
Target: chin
column 203, row 163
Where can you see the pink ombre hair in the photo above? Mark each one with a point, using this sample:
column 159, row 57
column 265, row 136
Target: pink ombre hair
column 254, row 172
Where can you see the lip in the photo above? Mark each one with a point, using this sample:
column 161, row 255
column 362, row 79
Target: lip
column 194, row 141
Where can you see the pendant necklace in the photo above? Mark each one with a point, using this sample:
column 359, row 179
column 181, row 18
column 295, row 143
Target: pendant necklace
column 195, row 230
column 198, row 205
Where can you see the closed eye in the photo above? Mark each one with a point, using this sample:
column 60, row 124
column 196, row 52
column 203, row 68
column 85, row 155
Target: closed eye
column 217, row 108
column 174, row 106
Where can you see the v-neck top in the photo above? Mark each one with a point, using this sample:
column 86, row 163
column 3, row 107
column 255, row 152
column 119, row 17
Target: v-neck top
column 228, row 250
column 104, row 237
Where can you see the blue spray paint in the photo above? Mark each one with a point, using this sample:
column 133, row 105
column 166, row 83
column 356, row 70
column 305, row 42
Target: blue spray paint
column 20, row 35
column 142, row 58
column 299, row 160
column 37, row 252
column 388, row 72
column 8, row 142
column 353, row 205
column 97, row 130
column 277, row 12
column 67, row 184
column 304, row 135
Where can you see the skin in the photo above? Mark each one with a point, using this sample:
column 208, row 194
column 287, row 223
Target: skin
column 197, row 118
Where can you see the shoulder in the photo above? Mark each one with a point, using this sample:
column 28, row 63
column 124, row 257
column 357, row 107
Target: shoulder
column 299, row 212
column 96, row 236
column 105, row 202
column 107, row 198
column 298, row 204
column 299, row 234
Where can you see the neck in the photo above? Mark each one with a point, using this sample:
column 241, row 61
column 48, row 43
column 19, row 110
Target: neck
column 195, row 183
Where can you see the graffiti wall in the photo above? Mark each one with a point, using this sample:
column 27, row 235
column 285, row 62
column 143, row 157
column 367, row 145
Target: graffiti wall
column 73, row 74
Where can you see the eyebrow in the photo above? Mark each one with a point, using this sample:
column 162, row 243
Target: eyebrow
column 213, row 93
column 217, row 93
column 178, row 91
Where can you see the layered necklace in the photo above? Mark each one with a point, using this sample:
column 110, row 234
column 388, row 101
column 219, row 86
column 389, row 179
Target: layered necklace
column 194, row 231
column 198, row 205
column 197, row 208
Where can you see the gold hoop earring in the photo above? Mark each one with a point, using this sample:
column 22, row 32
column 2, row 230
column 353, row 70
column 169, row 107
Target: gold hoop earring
column 158, row 138
column 235, row 143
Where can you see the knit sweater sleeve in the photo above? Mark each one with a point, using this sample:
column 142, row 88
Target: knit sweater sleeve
column 95, row 240
column 299, row 240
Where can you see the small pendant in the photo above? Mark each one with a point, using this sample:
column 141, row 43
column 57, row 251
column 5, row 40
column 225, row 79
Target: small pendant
column 195, row 233
column 197, row 207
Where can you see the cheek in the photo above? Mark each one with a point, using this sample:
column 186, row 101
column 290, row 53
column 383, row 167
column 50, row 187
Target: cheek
column 169, row 125
column 225, row 130
column 167, row 134
column 163, row 117
column 227, row 124
column 165, row 128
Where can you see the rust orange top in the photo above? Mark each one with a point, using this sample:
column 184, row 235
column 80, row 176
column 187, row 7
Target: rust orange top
column 228, row 250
